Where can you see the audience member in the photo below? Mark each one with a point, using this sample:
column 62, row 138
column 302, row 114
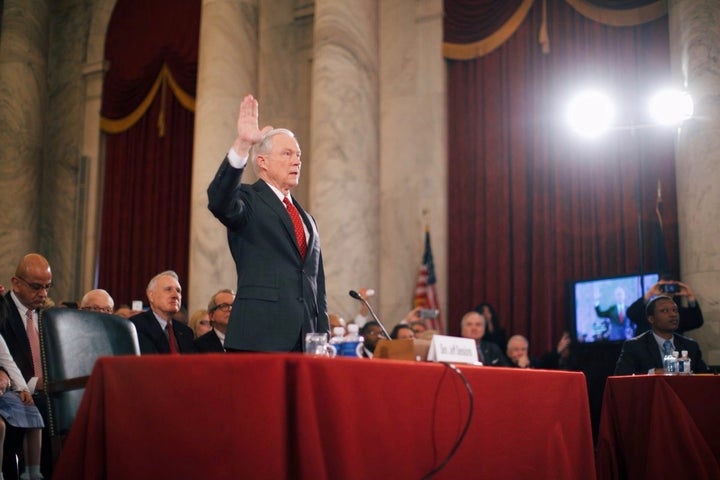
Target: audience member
column 621, row 327
column 157, row 331
column 126, row 312
column 182, row 315
column 18, row 409
column 28, row 294
column 644, row 353
column 371, row 333
column 493, row 332
column 419, row 327
column 402, row 331
column 200, row 323
column 336, row 321
column 691, row 316
column 97, row 300
column 518, row 353
column 219, row 306
column 473, row 326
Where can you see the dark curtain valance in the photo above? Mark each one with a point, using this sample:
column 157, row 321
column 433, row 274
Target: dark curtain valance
column 474, row 28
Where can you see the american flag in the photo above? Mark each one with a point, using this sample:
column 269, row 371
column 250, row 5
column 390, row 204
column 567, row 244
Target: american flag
column 425, row 289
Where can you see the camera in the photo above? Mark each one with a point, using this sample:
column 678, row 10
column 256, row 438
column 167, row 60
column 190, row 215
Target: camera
column 671, row 288
column 428, row 313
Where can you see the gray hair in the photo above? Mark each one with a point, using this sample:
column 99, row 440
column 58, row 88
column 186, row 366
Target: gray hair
column 265, row 145
column 167, row 273
column 212, row 304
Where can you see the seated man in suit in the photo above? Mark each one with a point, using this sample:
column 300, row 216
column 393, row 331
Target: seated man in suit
column 97, row 300
column 518, row 353
column 473, row 326
column 157, row 331
column 219, row 308
column 644, row 353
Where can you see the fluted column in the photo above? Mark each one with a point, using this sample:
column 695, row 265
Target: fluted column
column 344, row 178
column 227, row 70
column 695, row 43
column 23, row 102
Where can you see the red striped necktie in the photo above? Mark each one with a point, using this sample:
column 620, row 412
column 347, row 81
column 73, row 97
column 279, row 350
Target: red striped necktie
column 297, row 226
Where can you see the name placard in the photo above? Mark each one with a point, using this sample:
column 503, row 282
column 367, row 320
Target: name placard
column 444, row 348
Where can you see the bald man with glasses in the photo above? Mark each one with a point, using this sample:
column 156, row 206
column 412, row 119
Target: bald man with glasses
column 26, row 297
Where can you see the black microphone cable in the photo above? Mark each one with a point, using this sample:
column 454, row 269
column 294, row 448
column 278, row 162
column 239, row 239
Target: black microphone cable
column 461, row 437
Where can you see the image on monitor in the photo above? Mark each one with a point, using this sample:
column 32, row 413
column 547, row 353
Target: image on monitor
column 600, row 304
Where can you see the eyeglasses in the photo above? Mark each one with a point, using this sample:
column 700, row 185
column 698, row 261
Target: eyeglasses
column 223, row 307
column 95, row 308
column 36, row 287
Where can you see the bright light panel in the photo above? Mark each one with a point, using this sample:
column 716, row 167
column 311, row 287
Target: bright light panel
column 591, row 114
column 671, row 107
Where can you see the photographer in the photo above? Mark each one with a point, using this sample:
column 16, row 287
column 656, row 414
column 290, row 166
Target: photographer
column 690, row 315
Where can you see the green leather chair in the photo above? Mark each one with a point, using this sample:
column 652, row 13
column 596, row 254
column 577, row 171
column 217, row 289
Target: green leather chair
column 70, row 342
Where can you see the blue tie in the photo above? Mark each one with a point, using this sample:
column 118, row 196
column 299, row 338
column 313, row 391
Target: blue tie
column 668, row 347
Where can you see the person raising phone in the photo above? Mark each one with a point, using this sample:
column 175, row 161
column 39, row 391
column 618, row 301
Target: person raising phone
column 690, row 314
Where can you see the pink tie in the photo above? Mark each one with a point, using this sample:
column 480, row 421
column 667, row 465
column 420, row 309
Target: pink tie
column 32, row 335
column 297, row 226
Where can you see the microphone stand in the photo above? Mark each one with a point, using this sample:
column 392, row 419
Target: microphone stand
column 357, row 296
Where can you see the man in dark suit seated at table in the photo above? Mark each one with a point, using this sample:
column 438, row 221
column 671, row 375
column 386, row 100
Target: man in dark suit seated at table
column 219, row 308
column 473, row 326
column 157, row 331
column 644, row 353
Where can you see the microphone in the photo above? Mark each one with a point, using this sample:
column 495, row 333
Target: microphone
column 357, row 296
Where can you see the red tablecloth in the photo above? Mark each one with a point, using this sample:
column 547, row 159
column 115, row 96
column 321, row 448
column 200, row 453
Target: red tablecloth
column 291, row 416
column 660, row 427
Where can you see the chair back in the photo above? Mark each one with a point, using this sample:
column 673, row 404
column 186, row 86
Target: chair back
column 70, row 342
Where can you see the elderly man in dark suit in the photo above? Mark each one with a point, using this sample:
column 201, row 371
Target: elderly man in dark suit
column 280, row 293
column 644, row 353
column 157, row 331
column 219, row 308
column 473, row 326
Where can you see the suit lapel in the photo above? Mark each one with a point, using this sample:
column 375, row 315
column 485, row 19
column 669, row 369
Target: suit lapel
column 266, row 194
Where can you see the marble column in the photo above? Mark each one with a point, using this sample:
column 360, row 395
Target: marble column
column 23, row 102
column 695, row 43
column 344, row 171
column 227, row 70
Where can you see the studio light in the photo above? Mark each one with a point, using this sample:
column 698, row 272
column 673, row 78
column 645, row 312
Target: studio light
column 671, row 107
column 591, row 113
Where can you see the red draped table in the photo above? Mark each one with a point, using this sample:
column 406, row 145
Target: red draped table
column 292, row 416
column 660, row 427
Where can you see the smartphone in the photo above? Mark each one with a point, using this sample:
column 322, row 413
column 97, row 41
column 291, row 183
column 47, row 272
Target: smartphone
column 670, row 288
column 428, row 313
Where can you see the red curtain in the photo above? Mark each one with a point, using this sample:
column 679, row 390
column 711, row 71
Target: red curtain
column 531, row 206
column 148, row 116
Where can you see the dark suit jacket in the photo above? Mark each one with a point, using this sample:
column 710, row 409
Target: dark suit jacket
column 279, row 296
column 13, row 331
column 640, row 354
column 491, row 356
column 209, row 343
column 152, row 338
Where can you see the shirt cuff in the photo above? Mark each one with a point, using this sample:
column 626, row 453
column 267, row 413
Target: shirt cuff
column 235, row 160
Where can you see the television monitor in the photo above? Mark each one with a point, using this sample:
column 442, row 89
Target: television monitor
column 596, row 317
